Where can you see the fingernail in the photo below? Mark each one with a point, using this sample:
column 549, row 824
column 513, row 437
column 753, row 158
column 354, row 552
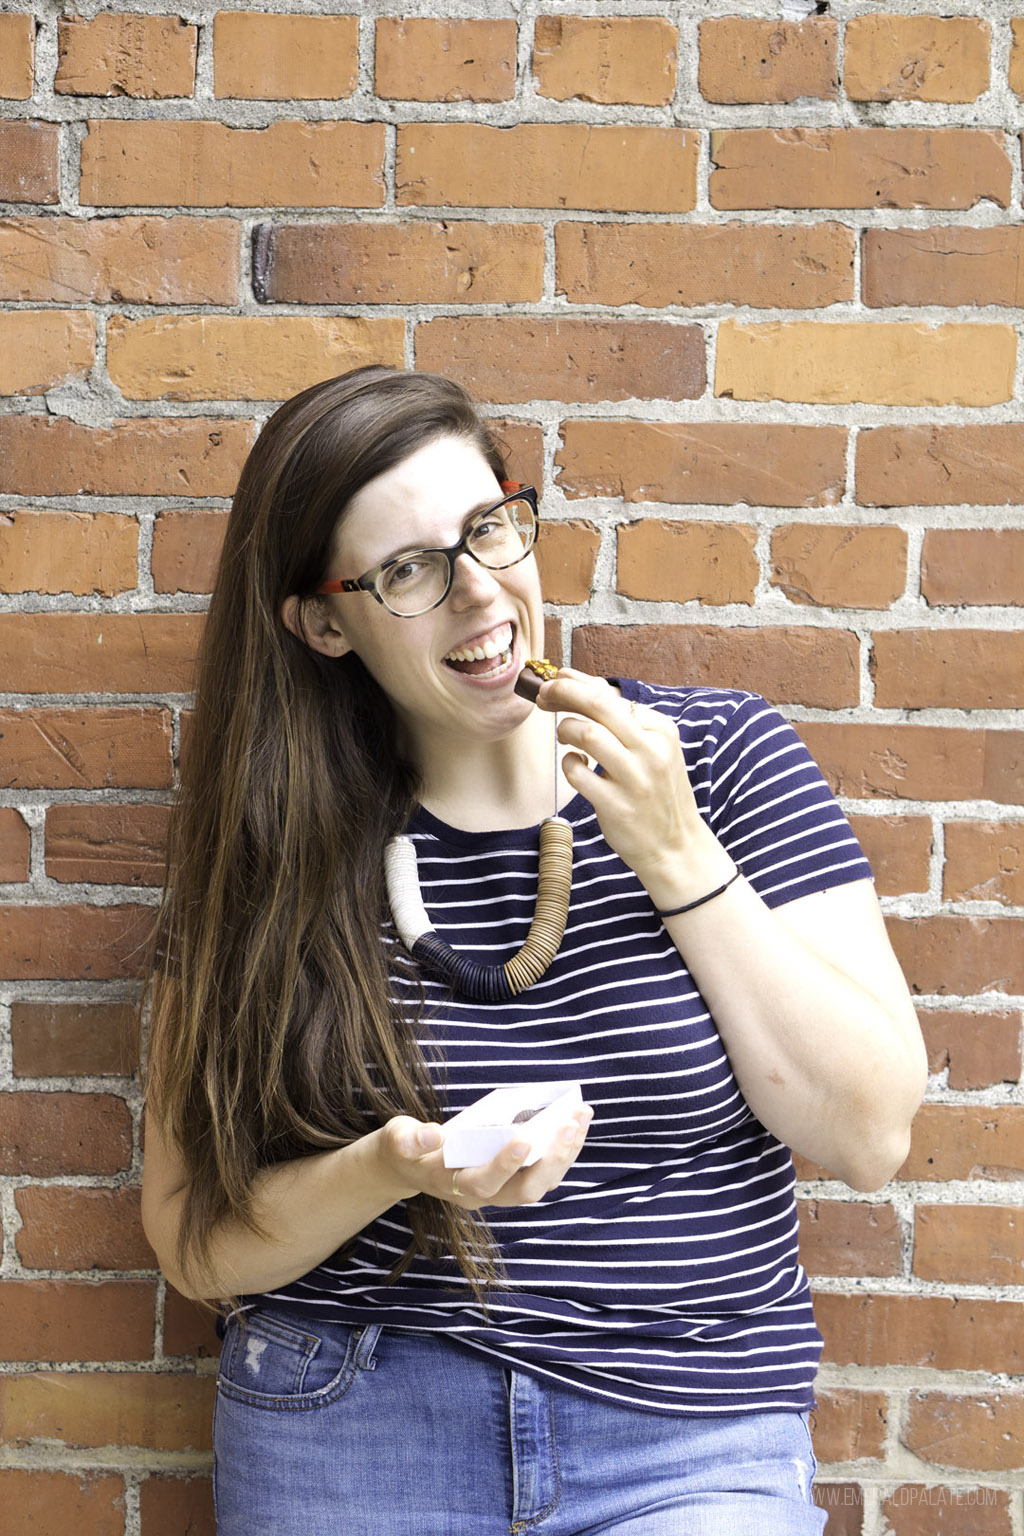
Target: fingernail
column 429, row 1138
column 519, row 1149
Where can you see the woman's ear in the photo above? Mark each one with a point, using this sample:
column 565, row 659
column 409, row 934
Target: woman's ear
column 313, row 622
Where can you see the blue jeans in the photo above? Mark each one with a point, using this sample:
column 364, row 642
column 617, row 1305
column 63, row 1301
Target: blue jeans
column 338, row 1431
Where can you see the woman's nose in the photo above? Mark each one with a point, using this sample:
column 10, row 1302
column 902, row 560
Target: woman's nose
column 472, row 582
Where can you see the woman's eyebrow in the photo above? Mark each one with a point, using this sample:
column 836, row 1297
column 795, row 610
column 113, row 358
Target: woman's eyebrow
column 412, row 549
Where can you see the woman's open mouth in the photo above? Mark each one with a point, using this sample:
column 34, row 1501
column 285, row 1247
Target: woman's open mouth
column 491, row 656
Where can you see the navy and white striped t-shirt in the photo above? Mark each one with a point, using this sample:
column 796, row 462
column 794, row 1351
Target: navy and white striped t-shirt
column 663, row 1271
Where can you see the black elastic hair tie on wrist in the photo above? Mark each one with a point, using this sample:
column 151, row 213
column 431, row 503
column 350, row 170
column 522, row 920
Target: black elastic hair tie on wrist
column 675, row 911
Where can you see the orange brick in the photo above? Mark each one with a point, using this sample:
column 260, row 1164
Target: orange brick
column 984, row 862
column 624, row 59
column 125, row 55
column 186, row 548
column 284, row 58
column 85, row 748
column 983, row 1433
column 522, row 443
column 664, row 561
column 190, row 456
column 916, row 762
column 462, row 262
column 17, row 38
column 80, row 552
column 916, row 58
column 419, row 58
column 209, row 165
column 942, row 1332
column 119, row 260
column 977, row 1050
column 41, row 348
column 68, row 1039
column 920, row 1509
column 154, row 1411
column 785, row 266
column 973, row 566
column 789, row 666
column 849, row 1425
column 846, row 1237
column 940, row 466
column 547, row 165
column 858, row 168
column 567, row 556
column 520, row 358
column 243, row 357
column 62, row 1501
column 28, row 162
column 81, row 1229
column 747, row 59
column 1016, row 73
column 843, row 1504
column 48, row 1134
column 65, row 1320
column 704, row 463
column 839, row 566
column 898, row 849
column 172, row 1505
column 970, row 1244
column 75, row 942
column 960, row 956
column 15, row 843
column 895, row 363
column 107, row 844
column 946, row 264
column 98, row 653
column 189, row 1327
column 948, row 669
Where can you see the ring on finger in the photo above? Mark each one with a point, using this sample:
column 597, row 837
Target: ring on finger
column 456, row 1191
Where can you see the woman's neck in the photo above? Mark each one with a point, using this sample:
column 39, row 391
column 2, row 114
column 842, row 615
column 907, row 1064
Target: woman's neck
column 493, row 786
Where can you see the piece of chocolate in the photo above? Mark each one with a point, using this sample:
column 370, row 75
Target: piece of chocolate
column 535, row 672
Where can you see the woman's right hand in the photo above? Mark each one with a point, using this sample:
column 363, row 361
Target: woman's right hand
column 412, row 1150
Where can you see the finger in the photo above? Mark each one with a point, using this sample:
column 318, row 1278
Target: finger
column 479, row 1186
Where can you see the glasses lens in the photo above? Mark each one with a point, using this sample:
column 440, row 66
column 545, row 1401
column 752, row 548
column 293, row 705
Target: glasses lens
column 502, row 537
column 414, row 583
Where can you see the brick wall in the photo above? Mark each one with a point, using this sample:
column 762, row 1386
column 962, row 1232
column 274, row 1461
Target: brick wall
column 742, row 291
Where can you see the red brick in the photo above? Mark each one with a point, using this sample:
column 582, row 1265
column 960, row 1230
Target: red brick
column 917, row 762
column 747, row 59
column 74, row 942
column 567, row 556
column 663, row 561
column 125, row 55
column 898, row 849
column 85, row 748
column 517, row 359
column 839, row 566
column 64, row 1228
column 707, row 463
column 53, row 456
column 522, row 443
column 189, row 1327
column 107, row 844
column 984, row 1433
column 816, row 667
column 68, row 1039
column 847, row 1237
column 210, row 165
column 423, row 58
column 984, row 862
column 79, row 552
column 284, row 58
column 42, row 348
column 764, row 266
column 916, row 58
column 844, row 1506
column 920, row 1509
column 48, row 1134
column 65, row 1320
column 15, row 845
column 17, row 37
column 62, row 1501
column 858, row 168
column 935, row 466
column 98, row 653
column 977, row 1050
column 938, row 1332
column 970, row 1244
column 973, row 565
column 948, row 669
column 176, row 1506
column 548, row 165
column 945, row 264
column 133, row 259
column 611, row 60
column 89, row 1409
column 961, row 956
column 186, row 548
column 966, row 1141
column 849, row 1426
column 29, row 154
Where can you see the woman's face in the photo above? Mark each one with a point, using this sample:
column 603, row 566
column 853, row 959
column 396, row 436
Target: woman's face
column 423, row 663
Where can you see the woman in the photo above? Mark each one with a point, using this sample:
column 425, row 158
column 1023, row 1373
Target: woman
column 616, row 1337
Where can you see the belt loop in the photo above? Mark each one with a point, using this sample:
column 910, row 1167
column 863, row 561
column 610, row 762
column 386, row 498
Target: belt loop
column 366, row 1343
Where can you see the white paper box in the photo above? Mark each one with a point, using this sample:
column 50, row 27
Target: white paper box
column 478, row 1133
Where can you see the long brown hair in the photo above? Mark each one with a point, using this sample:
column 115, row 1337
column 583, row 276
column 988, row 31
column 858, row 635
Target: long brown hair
column 273, row 1031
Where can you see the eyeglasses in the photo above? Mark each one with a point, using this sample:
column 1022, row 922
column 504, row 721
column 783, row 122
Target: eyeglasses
column 420, row 579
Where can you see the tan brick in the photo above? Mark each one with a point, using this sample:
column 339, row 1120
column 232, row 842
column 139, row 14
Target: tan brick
column 622, row 59
column 520, row 358
column 15, row 843
column 80, row 552
column 960, row 956
column 785, row 266
column 916, row 58
column 243, row 357
column 186, row 548
column 836, row 565
column 154, row 1411
column 54, row 456
column 98, row 653
column 976, row 1050
column 937, row 466
column 703, row 463
column 948, row 669
column 969, row 1244
column 941, row 1332
column 916, row 762
column 81, row 1229
column 678, row 562
column 846, row 1237
column 849, row 1425
column 462, row 262
column 68, row 1039
column 946, row 264
column 567, row 555
column 422, row 58
column 920, row 1509
column 898, row 849
column 973, row 566
column 17, row 38
column 107, row 844
column 209, row 165
column 747, row 59
column 984, row 862
column 45, row 1135
column 858, row 168
column 64, row 1320
column 189, row 1327
column 983, row 1433
column 41, row 348
column 789, row 666
column 28, row 162
column 34, row 1500
column 548, row 165
column 1016, row 73
column 171, row 1505
column 284, row 58
column 119, row 260
column 85, row 748
column 74, row 942
column 894, row 363
column 125, row 55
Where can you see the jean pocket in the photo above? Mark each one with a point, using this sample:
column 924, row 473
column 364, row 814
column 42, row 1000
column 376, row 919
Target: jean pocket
column 269, row 1362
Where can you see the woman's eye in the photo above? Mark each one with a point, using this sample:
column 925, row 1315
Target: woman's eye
column 486, row 528
column 403, row 573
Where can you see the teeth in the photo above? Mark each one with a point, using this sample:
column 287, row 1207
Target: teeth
column 499, row 645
